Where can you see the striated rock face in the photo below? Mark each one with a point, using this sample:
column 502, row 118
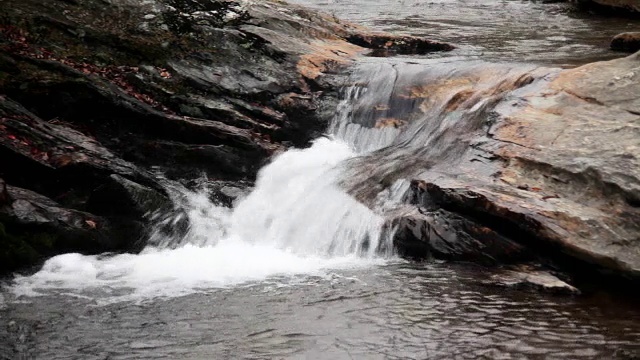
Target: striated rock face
column 543, row 159
column 95, row 93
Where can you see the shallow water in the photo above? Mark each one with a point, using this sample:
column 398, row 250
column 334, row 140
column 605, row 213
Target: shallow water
column 392, row 311
column 506, row 30
column 295, row 270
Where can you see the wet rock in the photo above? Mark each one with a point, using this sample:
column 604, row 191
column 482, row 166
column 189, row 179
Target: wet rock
column 525, row 278
column 32, row 150
column 246, row 76
column 422, row 233
column 624, row 354
column 139, row 208
column 387, row 45
column 547, row 158
column 122, row 197
column 4, row 194
column 33, row 227
column 228, row 193
column 627, row 42
column 619, row 6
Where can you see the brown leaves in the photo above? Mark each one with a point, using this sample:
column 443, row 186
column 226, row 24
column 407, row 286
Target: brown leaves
column 18, row 44
column 389, row 122
column 165, row 74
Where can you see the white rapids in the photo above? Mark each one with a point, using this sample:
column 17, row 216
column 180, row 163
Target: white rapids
column 297, row 221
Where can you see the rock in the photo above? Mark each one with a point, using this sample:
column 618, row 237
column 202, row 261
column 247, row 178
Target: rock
column 33, row 227
column 627, row 42
column 546, row 158
column 386, row 45
column 627, row 6
column 122, row 197
column 624, row 354
column 4, row 194
column 32, row 150
column 139, row 208
column 248, row 84
column 440, row 234
column 524, row 278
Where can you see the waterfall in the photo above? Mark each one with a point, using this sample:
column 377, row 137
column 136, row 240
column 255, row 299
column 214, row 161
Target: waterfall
column 313, row 209
column 297, row 221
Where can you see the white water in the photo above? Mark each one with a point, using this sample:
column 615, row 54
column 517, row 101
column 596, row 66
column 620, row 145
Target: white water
column 295, row 222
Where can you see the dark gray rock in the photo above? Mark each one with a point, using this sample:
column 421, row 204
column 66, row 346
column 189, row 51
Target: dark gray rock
column 140, row 208
column 441, row 234
column 32, row 150
column 199, row 76
column 33, row 227
column 607, row 6
column 96, row 92
column 547, row 158
column 4, row 194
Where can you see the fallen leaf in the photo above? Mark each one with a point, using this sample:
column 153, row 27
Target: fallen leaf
column 91, row 223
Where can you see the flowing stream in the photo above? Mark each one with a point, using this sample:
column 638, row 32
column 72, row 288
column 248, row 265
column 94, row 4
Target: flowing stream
column 298, row 269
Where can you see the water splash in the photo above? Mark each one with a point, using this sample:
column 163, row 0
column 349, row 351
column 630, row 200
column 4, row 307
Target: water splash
column 299, row 219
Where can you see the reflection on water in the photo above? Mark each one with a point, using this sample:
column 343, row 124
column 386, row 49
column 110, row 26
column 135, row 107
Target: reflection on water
column 532, row 31
column 398, row 311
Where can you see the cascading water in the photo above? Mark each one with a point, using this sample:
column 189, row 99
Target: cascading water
column 299, row 219
column 296, row 221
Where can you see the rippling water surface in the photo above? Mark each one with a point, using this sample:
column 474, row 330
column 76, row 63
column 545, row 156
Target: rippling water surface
column 507, row 30
column 395, row 311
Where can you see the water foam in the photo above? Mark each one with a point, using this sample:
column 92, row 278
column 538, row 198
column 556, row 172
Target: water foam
column 297, row 221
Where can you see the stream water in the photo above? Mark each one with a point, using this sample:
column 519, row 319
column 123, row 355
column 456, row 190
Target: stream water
column 298, row 269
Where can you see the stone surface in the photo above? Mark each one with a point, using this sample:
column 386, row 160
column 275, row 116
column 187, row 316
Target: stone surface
column 33, row 227
column 440, row 234
column 524, row 278
column 544, row 158
column 627, row 42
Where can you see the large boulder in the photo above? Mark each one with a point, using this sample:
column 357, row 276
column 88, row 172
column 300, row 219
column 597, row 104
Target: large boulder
column 183, row 83
column 545, row 158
